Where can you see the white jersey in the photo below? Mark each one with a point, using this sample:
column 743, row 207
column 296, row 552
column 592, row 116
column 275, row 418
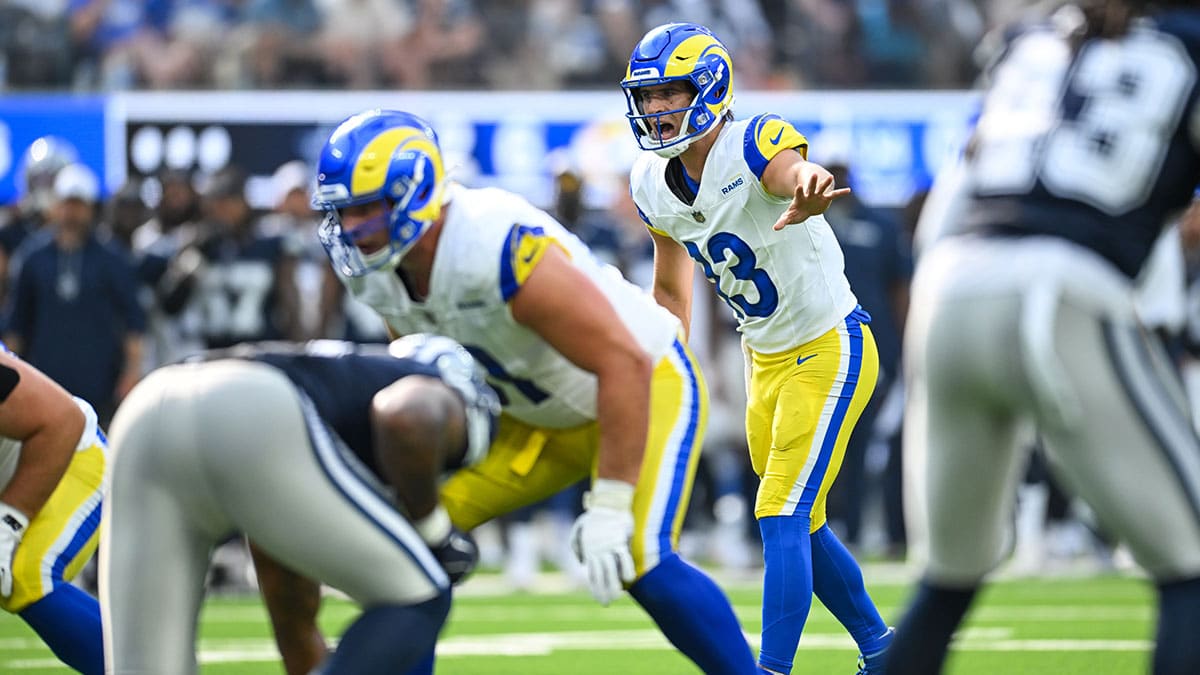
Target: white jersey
column 787, row 287
column 10, row 449
column 489, row 244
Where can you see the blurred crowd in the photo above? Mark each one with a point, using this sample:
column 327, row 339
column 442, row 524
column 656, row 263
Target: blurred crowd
column 106, row 45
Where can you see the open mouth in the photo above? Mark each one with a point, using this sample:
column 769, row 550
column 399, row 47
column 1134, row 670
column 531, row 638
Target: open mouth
column 665, row 130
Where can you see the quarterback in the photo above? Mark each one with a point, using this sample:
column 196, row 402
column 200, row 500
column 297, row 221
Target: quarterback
column 593, row 376
column 739, row 198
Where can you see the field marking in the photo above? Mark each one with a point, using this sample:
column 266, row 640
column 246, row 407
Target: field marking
column 259, row 650
column 587, row 611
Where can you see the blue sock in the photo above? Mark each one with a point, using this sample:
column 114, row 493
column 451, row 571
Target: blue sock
column 923, row 637
column 68, row 621
column 425, row 667
column 787, row 588
column 390, row 639
column 838, row 583
column 1175, row 650
column 695, row 616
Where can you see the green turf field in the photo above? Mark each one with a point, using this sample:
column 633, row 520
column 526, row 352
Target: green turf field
column 1056, row 626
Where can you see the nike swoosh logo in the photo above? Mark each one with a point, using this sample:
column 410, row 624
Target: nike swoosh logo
column 529, row 258
column 802, row 359
column 777, row 136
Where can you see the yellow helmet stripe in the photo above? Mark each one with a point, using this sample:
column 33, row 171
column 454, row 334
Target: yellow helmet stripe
column 683, row 60
column 371, row 168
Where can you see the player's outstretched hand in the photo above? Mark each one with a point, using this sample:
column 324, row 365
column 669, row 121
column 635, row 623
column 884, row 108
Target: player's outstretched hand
column 812, row 197
column 12, row 527
column 458, row 554
column 600, row 539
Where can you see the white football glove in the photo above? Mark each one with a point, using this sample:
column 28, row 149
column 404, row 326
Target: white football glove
column 12, row 528
column 600, row 538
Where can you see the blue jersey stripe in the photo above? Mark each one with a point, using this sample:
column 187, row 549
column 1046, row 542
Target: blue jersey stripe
column 508, row 277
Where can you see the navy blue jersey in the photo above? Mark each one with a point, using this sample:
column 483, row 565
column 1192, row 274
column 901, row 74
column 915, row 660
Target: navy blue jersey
column 340, row 378
column 238, row 293
column 1097, row 145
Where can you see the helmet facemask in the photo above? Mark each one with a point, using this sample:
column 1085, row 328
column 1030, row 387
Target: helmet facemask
column 410, row 189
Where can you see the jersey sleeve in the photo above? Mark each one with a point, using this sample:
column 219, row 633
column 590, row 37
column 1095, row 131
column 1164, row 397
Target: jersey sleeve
column 523, row 249
column 767, row 136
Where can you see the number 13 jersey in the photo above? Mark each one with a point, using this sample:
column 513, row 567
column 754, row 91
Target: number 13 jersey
column 786, row 288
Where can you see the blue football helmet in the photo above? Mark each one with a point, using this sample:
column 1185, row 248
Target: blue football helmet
column 378, row 155
column 459, row 371
column 684, row 52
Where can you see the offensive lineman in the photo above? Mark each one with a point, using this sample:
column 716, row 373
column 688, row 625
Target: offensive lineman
column 54, row 471
column 740, row 199
column 327, row 457
column 1088, row 143
column 592, row 375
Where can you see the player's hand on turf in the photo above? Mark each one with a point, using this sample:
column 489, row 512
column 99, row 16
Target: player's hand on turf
column 458, row 554
column 12, row 527
column 812, row 197
column 600, row 539
column 454, row 549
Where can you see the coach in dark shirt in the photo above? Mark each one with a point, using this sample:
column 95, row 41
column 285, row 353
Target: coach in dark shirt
column 73, row 311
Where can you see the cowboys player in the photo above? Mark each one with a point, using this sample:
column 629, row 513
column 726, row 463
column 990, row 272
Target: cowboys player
column 1088, row 143
column 327, row 457
column 739, row 198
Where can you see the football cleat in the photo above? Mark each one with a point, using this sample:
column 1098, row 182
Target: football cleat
column 873, row 664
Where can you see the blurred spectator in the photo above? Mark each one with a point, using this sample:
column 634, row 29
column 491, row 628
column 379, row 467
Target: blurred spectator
column 124, row 214
column 355, row 32
column 879, row 267
column 442, row 49
column 277, row 47
column 246, row 282
column 73, row 312
column 593, row 226
column 115, row 38
column 501, row 44
column 39, row 165
column 35, row 45
column 293, row 218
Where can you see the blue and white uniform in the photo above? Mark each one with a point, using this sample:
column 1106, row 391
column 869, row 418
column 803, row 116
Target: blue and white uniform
column 1082, row 154
column 269, row 441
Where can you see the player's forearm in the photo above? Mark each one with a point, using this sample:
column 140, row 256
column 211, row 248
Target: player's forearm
column 44, row 459
column 623, row 413
column 676, row 303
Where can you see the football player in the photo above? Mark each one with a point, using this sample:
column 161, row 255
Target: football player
column 593, row 376
column 53, row 473
column 1088, row 143
column 739, row 198
column 327, row 457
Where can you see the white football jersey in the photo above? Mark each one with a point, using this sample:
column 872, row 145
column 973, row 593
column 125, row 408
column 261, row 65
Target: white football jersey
column 10, row 449
column 489, row 244
column 786, row 287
